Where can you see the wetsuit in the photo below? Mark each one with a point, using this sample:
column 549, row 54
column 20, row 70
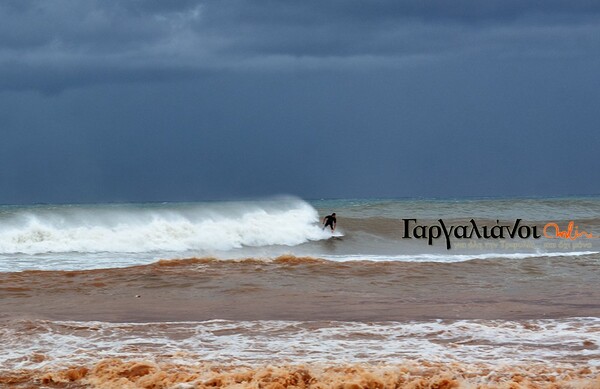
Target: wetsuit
column 330, row 221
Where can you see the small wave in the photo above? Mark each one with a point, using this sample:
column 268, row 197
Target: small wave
column 167, row 228
column 65, row 264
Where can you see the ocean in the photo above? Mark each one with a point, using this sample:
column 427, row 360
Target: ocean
column 482, row 292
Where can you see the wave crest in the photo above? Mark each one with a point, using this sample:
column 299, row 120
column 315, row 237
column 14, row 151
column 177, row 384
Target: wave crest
column 177, row 228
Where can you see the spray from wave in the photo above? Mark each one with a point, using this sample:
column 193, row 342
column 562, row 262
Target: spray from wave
column 128, row 228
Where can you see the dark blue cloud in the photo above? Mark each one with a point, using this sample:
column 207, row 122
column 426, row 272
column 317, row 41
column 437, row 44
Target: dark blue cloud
column 52, row 45
column 185, row 100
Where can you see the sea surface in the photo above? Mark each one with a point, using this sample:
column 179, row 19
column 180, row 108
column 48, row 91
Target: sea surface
column 257, row 294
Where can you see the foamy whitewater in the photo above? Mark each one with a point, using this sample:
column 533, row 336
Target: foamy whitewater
column 560, row 342
column 257, row 294
column 97, row 236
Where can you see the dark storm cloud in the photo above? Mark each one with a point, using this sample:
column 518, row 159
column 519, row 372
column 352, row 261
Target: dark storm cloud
column 58, row 44
column 186, row 100
column 313, row 12
column 51, row 45
column 389, row 30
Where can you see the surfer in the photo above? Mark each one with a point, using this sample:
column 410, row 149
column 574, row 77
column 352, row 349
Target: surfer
column 330, row 221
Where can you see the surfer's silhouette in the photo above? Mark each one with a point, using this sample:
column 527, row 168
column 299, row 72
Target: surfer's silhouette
column 330, row 221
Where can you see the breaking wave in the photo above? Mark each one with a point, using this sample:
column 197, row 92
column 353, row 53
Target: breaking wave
column 125, row 228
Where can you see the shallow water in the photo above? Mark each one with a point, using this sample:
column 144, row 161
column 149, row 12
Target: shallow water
column 256, row 294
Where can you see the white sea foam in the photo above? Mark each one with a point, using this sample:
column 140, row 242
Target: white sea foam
column 179, row 228
column 573, row 341
column 450, row 258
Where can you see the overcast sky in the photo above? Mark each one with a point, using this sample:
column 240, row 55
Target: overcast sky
column 162, row 100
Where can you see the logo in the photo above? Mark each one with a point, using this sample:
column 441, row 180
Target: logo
column 413, row 230
column 572, row 232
